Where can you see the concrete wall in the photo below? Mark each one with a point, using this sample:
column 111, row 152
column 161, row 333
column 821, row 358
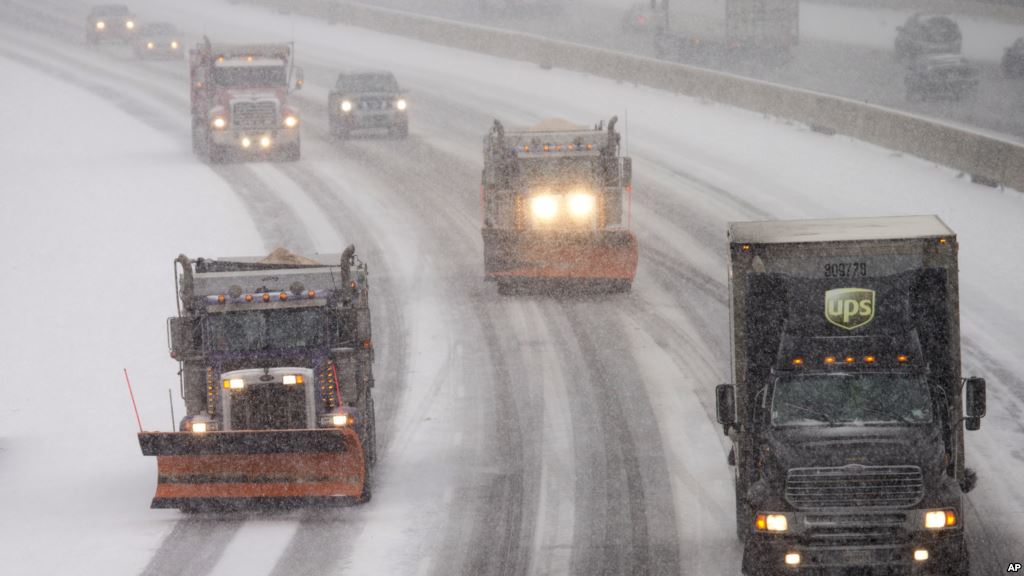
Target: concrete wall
column 986, row 158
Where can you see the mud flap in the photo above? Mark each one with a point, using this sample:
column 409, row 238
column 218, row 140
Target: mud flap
column 273, row 467
column 592, row 255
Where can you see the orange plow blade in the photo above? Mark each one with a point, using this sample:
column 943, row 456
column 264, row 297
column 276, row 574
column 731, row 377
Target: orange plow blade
column 274, row 467
column 604, row 255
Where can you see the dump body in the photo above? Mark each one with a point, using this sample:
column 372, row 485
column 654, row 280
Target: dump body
column 724, row 29
column 240, row 101
column 276, row 373
column 845, row 414
column 555, row 207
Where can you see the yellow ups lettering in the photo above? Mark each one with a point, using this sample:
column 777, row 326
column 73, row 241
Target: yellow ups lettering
column 849, row 308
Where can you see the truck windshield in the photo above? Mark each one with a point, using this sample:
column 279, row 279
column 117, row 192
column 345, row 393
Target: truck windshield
column 265, row 330
column 833, row 399
column 250, row 76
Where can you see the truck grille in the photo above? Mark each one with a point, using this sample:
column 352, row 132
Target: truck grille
column 825, row 530
column 269, row 407
column 374, row 104
column 259, row 115
column 854, row 486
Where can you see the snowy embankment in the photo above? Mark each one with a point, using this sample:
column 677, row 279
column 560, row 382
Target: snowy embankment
column 95, row 205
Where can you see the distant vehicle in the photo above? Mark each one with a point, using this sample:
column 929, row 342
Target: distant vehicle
column 367, row 101
column 1013, row 60
column 941, row 77
column 159, row 40
column 640, row 17
column 109, row 22
column 709, row 30
column 922, row 35
column 241, row 101
column 554, row 201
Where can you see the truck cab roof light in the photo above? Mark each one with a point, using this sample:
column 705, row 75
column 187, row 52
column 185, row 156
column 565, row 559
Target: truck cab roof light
column 902, row 358
column 311, row 294
column 745, row 247
column 798, row 361
column 547, row 147
column 266, row 297
column 830, row 359
column 849, row 359
column 248, row 297
column 526, row 148
column 283, row 296
column 590, row 146
column 870, row 359
column 943, row 241
column 220, row 298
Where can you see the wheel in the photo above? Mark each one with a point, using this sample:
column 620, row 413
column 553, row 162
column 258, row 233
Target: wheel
column 401, row 131
column 291, row 152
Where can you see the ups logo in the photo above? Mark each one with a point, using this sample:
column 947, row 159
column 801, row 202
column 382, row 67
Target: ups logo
column 849, row 308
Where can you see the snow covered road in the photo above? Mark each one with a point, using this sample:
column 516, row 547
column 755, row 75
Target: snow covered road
column 518, row 435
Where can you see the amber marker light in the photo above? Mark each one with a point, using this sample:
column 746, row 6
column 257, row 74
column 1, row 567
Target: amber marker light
column 902, row 358
column 869, row 359
column 849, row 359
column 220, row 299
column 311, row 294
column 266, row 297
column 830, row 359
column 798, row 361
column 248, row 297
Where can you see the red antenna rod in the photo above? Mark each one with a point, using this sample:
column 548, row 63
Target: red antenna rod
column 337, row 390
column 132, row 394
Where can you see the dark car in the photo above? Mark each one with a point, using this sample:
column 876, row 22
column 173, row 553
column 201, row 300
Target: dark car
column 941, row 76
column 110, row 22
column 159, row 40
column 1013, row 60
column 922, row 35
column 367, row 101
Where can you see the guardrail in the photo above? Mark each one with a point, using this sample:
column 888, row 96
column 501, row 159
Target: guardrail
column 989, row 160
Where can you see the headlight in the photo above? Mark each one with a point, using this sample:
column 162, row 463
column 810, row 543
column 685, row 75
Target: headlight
column 581, row 204
column 341, row 420
column 291, row 121
column 234, row 383
column 265, row 143
column 544, row 206
column 292, row 379
column 174, row 44
column 129, row 25
column 150, row 45
column 246, row 142
column 936, row 519
column 772, row 522
column 199, row 427
column 219, row 122
column 346, row 106
column 101, row 25
column 401, row 104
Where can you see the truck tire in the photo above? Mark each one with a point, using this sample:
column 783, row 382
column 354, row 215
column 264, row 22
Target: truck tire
column 291, row 152
column 401, row 131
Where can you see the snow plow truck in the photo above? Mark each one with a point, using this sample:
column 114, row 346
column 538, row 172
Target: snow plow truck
column 240, row 105
column 275, row 362
column 555, row 208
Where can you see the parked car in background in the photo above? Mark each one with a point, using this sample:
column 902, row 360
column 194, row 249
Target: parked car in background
column 941, row 77
column 923, row 34
column 1013, row 60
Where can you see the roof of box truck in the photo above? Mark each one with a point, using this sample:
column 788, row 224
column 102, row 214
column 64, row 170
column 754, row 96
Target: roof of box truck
column 837, row 229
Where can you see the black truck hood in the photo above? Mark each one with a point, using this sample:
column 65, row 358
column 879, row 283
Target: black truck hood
column 836, row 446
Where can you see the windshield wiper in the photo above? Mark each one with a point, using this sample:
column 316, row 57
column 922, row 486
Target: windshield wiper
column 822, row 416
column 891, row 414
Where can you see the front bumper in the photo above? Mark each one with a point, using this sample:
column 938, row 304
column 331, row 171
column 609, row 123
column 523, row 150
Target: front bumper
column 835, row 550
column 235, row 138
column 363, row 120
column 555, row 254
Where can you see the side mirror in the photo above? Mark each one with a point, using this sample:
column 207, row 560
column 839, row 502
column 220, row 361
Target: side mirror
column 627, row 172
column 179, row 337
column 300, row 78
column 975, row 395
column 725, row 406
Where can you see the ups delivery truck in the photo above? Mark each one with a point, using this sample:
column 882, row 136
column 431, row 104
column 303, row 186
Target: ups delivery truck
column 846, row 412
